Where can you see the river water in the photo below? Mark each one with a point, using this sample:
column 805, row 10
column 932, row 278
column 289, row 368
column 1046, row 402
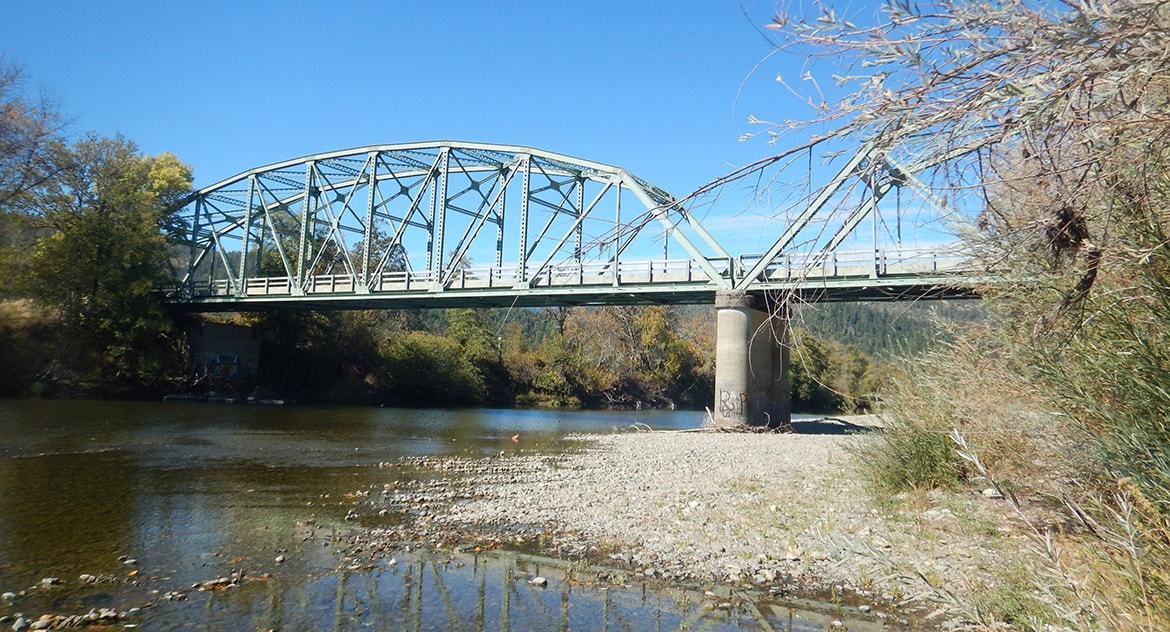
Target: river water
column 152, row 499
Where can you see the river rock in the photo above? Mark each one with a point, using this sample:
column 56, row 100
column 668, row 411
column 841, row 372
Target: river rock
column 8, row 596
column 20, row 624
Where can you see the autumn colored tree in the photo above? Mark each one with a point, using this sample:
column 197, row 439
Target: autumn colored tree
column 100, row 253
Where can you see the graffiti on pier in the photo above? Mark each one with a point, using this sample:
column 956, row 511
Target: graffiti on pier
column 732, row 404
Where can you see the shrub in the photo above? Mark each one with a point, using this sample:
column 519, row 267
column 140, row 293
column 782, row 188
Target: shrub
column 973, row 385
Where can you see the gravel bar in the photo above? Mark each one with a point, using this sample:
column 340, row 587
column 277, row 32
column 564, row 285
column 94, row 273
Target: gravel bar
column 783, row 513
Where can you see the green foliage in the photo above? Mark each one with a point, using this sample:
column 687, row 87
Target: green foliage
column 425, row 369
column 888, row 330
column 811, row 374
column 973, row 385
column 98, row 255
column 1114, row 377
column 910, row 455
column 319, row 356
column 631, row 356
column 1010, row 598
column 470, row 330
column 829, row 377
column 622, row 356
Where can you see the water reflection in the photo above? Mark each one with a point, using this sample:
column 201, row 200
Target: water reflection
column 496, row 591
column 193, row 492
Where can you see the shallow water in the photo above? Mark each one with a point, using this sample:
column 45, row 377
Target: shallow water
column 156, row 498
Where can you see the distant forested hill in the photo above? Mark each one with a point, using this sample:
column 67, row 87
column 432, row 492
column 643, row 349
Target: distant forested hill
column 883, row 330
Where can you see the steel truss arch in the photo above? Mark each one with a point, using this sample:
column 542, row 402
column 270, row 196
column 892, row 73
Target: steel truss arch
column 448, row 223
column 425, row 216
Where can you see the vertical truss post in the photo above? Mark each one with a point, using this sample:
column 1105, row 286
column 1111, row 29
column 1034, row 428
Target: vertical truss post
column 665, row 245
column 504, row 179
column 898, row 215
column 440, row 223
column 194, row 257
column 261, row 235
column 874, row 272
column 577, row 244
column 522, row 273
column 307, row 211
column 368, row 226
column 242, row 282
column 214, row 262
column 617, row 236
column 433, row 178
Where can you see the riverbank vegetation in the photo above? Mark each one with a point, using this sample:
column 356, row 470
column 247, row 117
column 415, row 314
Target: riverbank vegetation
column 1052, row 119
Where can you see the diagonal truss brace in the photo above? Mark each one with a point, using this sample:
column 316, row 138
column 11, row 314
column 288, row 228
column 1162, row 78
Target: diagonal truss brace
column 897, row 175
column 826, row 193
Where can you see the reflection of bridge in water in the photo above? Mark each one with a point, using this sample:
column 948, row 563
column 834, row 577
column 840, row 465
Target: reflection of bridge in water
column 494, row 591
column 414, row 225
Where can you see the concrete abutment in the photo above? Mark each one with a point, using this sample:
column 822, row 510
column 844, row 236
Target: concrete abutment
column 751, row 361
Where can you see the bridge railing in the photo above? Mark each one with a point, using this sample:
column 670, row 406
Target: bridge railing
column 558, row 275
column 794, row 267
column 857, row 263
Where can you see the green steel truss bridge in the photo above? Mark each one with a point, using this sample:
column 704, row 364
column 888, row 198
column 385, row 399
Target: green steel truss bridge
column 457, row 224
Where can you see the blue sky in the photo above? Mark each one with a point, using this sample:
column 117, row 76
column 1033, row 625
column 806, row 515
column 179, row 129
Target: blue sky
column 663, row 89
column 660, row 88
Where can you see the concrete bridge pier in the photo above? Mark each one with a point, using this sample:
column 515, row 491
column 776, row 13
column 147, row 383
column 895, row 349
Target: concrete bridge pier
column 751, row 362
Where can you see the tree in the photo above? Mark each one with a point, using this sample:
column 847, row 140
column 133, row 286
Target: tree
column 29, row 136
column 29, row 149
column 103, row 253
column 423, row 369
column 810, row 374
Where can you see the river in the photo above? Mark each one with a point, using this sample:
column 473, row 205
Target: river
column 144, row 506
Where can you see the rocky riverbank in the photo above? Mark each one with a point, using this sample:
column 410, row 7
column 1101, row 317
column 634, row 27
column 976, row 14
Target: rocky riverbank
column 783, row 513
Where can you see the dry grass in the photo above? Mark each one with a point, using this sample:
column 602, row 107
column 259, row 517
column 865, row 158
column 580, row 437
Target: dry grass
column 969, row 386
column 1097, row 559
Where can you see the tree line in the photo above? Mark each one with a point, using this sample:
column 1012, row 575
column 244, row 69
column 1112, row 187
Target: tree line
column 620, row 356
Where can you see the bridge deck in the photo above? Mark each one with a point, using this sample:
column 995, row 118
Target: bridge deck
column 655, row 282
